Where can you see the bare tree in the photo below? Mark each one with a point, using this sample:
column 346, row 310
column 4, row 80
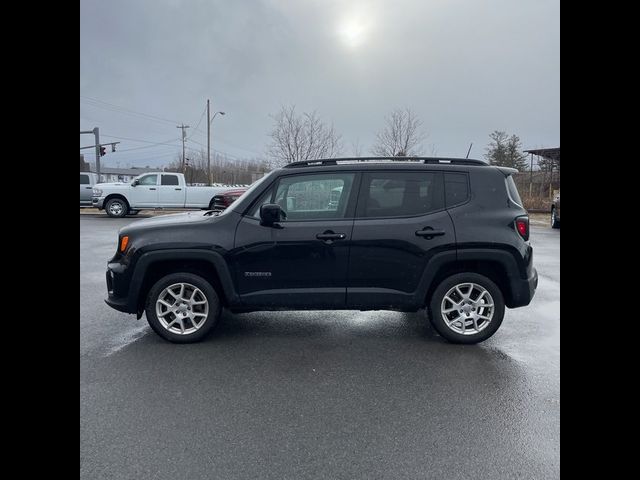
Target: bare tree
column 356, row 148
column 401, row 135
column 301, row 137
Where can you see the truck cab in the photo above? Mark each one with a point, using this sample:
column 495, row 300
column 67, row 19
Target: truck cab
column 87, row 181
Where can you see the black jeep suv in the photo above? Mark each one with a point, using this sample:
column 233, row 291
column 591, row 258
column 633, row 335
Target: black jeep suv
column 448, row 235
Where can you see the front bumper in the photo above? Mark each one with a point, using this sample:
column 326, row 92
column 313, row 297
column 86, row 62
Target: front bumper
column 118, row 282
column 97, row 202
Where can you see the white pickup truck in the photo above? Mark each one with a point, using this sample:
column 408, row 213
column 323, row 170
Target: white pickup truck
column 151, row 190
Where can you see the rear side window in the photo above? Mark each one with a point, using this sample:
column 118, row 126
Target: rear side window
column 84, row 180
column 400, row 194
column 169, row 180
column 456, row 187
column 513, row 191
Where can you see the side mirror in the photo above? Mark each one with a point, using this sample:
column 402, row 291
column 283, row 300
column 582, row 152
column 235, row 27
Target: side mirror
column 271, row 213
column 134, row 182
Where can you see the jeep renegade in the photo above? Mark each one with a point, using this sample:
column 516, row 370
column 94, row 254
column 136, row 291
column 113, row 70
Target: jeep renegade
column 401, row 233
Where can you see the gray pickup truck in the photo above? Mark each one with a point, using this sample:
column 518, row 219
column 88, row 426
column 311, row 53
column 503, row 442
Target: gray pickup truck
column 87, row 181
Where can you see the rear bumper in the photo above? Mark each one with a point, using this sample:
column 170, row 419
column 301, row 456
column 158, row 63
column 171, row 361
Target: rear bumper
column 523, row 290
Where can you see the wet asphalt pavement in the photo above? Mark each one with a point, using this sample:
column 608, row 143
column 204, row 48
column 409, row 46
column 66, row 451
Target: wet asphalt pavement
column 296, row 395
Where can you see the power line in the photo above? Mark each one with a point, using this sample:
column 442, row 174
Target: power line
column 113, row 107
column 139, row 140
column 199, row 122
column 163, row 145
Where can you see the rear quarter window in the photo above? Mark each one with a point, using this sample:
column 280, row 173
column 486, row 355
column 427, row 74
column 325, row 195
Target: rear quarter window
column 456, row 188
column 512, row 190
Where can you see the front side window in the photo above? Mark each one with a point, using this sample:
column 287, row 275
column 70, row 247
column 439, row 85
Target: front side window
column 169, row 180
column 84, row 180
column 148, row 180
column 400, row 194
column 309, row 197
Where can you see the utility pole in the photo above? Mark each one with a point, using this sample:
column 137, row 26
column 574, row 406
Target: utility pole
column 184, row 137
column 209, row 120
column 208, row 146
column 96, row 133
column 531, row 177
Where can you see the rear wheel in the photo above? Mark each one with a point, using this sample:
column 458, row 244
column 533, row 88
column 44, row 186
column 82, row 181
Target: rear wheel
column 555, row 223
column 182, row 307
column 466, row 308
column 116, row 207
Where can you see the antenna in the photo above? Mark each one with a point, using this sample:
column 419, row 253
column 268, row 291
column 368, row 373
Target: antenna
column 468, row 151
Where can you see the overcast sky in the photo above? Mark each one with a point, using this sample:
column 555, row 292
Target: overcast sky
column 466, row 67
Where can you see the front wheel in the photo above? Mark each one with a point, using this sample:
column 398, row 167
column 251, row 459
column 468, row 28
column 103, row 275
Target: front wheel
column 466, row 308
column 182, row 307
column 116, row 207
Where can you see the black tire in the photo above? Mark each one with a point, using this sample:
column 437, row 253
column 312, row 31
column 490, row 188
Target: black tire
column 555, row 223
column 116, row 207
column 435, row 313
column 194, row 280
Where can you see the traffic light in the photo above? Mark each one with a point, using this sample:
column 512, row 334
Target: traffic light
column 103, row 151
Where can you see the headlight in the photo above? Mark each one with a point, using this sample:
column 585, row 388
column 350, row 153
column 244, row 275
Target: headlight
column 97, row 192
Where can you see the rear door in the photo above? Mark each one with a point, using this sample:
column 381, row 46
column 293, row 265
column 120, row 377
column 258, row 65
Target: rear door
column 170, row 192
column 86, row 189
column 400, row 224
column 303, row 261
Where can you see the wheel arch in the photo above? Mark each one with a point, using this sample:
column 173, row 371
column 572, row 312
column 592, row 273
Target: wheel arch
column 497, row 265
column 154, row 265
column 111, row 196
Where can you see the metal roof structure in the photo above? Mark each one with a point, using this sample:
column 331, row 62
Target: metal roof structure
column 550, row 153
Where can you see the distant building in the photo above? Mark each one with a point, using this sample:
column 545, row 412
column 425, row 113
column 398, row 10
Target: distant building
column 84, row 166
column 108, row 174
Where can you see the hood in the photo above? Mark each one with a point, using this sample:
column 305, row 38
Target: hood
column 238, row 191
column 163, row 221
column 112, row 184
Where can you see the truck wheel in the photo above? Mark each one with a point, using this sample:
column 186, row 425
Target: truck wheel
column 116, row 207
column 555, row 223
column 182, row 307
column 466, row 308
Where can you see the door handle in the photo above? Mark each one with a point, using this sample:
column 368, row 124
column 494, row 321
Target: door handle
column 429, row 233
column 329, row 236
column 152, row 188
column 89, row 188
column 178, row 189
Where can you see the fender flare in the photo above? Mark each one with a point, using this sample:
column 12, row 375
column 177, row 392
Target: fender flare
column 149, row 258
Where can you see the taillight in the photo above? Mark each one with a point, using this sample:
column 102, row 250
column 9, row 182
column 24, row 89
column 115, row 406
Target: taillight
column 522, row 226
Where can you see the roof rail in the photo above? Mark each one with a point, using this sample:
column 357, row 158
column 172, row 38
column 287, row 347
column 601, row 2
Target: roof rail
column 427, row 160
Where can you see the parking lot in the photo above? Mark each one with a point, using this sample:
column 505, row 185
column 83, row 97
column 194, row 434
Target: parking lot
column 339, row 394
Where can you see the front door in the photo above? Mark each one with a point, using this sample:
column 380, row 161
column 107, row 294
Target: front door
column 301, row 262
column 145, row 194
column 400, row 224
